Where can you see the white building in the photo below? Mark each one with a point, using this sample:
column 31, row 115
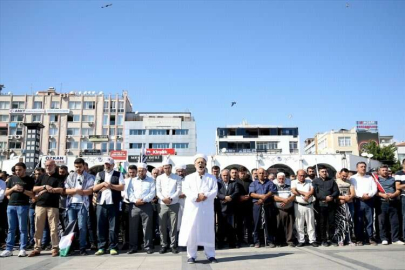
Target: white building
column 173, row 132
column 247, row 138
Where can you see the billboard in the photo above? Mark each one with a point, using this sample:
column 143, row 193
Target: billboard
column 367, row 126
column 118, row 155
column 363, row 138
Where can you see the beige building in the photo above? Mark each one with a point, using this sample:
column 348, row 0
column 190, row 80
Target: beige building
column 76, row 123
column 333, row 142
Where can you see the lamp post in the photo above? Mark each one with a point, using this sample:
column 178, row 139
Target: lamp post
column 368, row 156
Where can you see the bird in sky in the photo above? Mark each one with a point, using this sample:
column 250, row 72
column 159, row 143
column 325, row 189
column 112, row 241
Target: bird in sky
column 347, row 5
column 106, row 6
column 233, row 103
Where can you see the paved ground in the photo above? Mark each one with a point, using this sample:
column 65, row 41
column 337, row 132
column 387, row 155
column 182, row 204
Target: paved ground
column 367, row 257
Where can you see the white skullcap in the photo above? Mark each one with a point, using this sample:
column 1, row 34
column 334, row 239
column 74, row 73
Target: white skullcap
column 109, row 161
column 166, row 162
column 180, row 167
column 142, row 166
column 200, row 156
column 281, row 174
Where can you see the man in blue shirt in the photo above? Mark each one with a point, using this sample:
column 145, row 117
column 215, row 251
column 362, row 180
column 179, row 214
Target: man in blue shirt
column 262, row 192
column 387, row 206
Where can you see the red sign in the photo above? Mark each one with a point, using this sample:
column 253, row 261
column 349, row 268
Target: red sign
column 118, row 155
column 160, row 152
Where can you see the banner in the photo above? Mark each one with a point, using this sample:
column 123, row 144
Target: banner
column 160, row 152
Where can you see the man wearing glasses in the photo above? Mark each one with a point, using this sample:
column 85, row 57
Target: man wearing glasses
column 79, row 186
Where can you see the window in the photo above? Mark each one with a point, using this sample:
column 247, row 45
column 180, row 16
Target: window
column 74, row 118
column 17, row 118
column 180, row 145
column 106, row 107
column 105, row 131
column 105, row 120
column 158, row 145
column 53, row 118
column 74, row 105
column 120, row 120
column 4, row 105
column 55, row 105
column 180, row 131
column 15, row 131
column 3, row 145
column 159, row 132
column 53, row 131
column 135, row 145
column 112, row 120
column 86, row 145
column 88, row 118
column 3, row 131
column 121, row 106
column 322, row 144
column 345, row 141
column 52, row 144
column 118, row 146
column 36, row 118
column 37, row 104
column 113, row 106
column 111, row 146
column 293, row 147
column 4, row 118
column 104, row 147
column 267, row 145
column 17, row 105
column 87, row 131
column 72, row 145
column 89, row 105
column 73, row 131
column 112, row 132
column 136, row 132
column 14, row 145
column 119, row 131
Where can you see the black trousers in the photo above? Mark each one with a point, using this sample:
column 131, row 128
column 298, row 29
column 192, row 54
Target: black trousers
column 387, row 212
column 3, row 221
column 244, row 222
column 260, row 225
column 92, row 223
column 106, row 226
column 226, row 228
column 327, row 221
column 124, row 223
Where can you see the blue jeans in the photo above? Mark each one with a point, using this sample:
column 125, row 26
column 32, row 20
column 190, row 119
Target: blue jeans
column 79, row 213
column 364, row 214
column 17, row 216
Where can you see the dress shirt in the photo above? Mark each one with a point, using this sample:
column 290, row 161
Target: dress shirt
column 168, row 186
column 304, row 187
column 144, row 190
column 363, row 185
column 106, row 195
column 259, row 188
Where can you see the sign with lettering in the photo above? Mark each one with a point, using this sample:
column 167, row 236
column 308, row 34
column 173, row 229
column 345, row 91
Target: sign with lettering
column 98, row 138
column 118, row 155
column 160, row 152
column 149, row 159
column 59, row 160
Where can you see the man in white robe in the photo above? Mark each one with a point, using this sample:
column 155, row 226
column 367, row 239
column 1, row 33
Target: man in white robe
column 198, row 224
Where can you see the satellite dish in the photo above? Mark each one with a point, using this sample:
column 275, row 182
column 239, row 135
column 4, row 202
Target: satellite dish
column 94, row 92
column 80, row 93
column 136, row 112
column 101, row 93
column 85, row 93
column 9, row 93
column 71, row 92
column 223, row 150
column 37, row 93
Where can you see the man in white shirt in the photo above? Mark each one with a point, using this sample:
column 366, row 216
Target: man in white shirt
column 168, row 189
column 140, row 191
column 304, row 208
column 198, row 225
column 365, row 188
column 108, row 185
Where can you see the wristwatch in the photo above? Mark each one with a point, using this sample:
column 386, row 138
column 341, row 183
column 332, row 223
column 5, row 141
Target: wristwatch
column 44, row 187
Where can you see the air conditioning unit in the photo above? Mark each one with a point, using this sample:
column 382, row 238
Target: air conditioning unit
column 51, row 136
column 10, row 137
column 90, row 124
column 84, row 137
column 20, row 124
column 52, row 123
column 69, row 136
column 119, row 136
column 18, row 137
column 68, row 151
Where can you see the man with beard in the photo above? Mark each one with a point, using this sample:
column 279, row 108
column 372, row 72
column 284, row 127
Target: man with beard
column 108, row 184
column 244, row 213
column 198, row 227
column 19, row 188
column 215, row 172
column 254, row 174
column 49, row 188
column 311, row 173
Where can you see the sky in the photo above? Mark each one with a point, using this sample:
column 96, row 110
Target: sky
column 317, row 65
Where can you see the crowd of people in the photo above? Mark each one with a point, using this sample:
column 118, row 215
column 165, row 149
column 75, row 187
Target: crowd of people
column 232, row 208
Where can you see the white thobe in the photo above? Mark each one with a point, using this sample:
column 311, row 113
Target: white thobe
column 197, row 228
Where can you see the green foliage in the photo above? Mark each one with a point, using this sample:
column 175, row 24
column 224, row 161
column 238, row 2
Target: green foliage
column 396, row 167
column 385, row 154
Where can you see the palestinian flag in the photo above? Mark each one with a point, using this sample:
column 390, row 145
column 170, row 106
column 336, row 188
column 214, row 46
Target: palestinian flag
column 67, row 239
column 121, row 169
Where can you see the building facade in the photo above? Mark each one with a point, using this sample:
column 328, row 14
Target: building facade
column 247, row 138
column 332, row 142
column 172, row 131
column 75, row 123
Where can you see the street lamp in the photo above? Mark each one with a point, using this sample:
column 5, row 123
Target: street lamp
column 368, row 156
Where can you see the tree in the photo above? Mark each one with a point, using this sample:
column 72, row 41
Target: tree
column 385, row 154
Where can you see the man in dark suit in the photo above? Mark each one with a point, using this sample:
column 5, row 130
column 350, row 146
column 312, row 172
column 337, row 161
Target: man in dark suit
column 228, row 193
